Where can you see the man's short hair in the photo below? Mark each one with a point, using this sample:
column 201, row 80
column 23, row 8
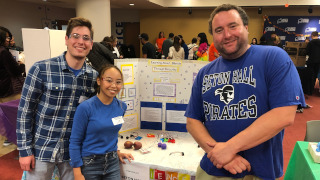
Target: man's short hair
column 227, row 7
column 171, row 35
column 144, row 36
column 315, row 33
column 79, row 21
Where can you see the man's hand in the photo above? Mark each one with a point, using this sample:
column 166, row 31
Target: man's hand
column 221, row 154
column 27, row 163
column 79, row 177
column 77, row 174
column 237, row 165
column 125, row 155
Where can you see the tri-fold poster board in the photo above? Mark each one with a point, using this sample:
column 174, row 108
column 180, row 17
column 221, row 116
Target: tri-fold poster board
column 157, row 92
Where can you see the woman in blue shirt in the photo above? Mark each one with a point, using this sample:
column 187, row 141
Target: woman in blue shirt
column 96, row 124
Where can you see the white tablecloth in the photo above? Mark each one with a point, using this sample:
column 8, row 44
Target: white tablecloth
column 161, row 159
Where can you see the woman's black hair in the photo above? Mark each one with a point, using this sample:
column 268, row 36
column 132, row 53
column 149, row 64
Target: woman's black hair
column 3, row 37
column 255, row 39
column 182, row 41
column 203, row 38
column 6, row 30
column 160, row 34
column 176, row 43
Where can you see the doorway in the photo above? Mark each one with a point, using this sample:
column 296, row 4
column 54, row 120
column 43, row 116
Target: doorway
column 131, row 31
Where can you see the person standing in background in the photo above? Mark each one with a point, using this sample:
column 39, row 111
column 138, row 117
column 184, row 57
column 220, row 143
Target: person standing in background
column 176, row 52
column 10, row 44
column 272, row 39
column 159, row 42
column 263, row 40
column 213, row 52
column 100, row 55
column 8, row 37
column 277, row 42
column 116, row 50
column 185, row 47
column 148, row 50
column 192, row 47
column 167, row 44
column 11, row 71
column 254, row 41
column 202, row 52
column 52, row 91
column 313, row 62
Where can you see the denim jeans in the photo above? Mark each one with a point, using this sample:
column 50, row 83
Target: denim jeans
column 102, row 167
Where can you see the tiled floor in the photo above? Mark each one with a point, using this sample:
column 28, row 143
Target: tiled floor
column 6, row 149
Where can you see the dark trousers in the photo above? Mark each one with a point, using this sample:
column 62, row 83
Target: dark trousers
column 312, row 73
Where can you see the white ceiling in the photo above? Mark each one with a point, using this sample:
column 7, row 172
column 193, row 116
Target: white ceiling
column 158, row 4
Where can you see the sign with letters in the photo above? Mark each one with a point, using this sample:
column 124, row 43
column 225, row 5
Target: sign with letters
column 291, row 28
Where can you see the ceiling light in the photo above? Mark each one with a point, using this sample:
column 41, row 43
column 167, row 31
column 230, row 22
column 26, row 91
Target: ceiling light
column 131, row 4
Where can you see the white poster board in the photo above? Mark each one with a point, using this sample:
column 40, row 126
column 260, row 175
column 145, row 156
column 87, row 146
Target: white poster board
column 158, row 81
column 41, row 44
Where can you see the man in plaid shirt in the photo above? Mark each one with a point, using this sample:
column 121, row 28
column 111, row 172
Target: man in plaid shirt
column 52, row 91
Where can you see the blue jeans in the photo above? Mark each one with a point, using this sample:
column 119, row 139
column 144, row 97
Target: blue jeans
column 102, row 167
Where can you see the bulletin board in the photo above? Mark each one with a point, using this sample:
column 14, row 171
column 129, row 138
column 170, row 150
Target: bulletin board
column 157, row 92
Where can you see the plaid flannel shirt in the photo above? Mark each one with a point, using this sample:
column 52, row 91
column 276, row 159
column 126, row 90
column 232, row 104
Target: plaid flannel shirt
column 48, row 102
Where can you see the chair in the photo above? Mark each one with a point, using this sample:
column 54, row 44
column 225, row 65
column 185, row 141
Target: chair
column 313, row 131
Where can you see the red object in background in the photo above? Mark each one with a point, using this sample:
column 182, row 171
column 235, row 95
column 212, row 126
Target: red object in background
column 286, row 5
column 150, row 135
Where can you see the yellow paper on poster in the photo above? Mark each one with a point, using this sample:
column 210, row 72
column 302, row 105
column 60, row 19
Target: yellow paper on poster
column 184, row 177
column 127, row 71
column 164, row 63
column 165, row 69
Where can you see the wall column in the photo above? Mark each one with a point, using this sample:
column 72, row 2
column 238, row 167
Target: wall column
column 99, row 13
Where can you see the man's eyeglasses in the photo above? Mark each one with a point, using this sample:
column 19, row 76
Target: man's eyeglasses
column 77, row 36
column 110, row 81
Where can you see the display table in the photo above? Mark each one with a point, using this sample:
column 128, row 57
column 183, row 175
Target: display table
column 301, row 165
column 161, row 163
column 8, row 120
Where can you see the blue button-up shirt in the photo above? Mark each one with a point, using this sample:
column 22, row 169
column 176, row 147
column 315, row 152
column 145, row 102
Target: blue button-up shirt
column 48, row 102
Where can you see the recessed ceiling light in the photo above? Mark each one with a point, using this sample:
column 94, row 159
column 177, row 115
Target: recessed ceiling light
column 131, row 4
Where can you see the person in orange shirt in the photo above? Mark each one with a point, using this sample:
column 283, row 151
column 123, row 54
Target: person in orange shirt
column 159, row 41
column 213, row 52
